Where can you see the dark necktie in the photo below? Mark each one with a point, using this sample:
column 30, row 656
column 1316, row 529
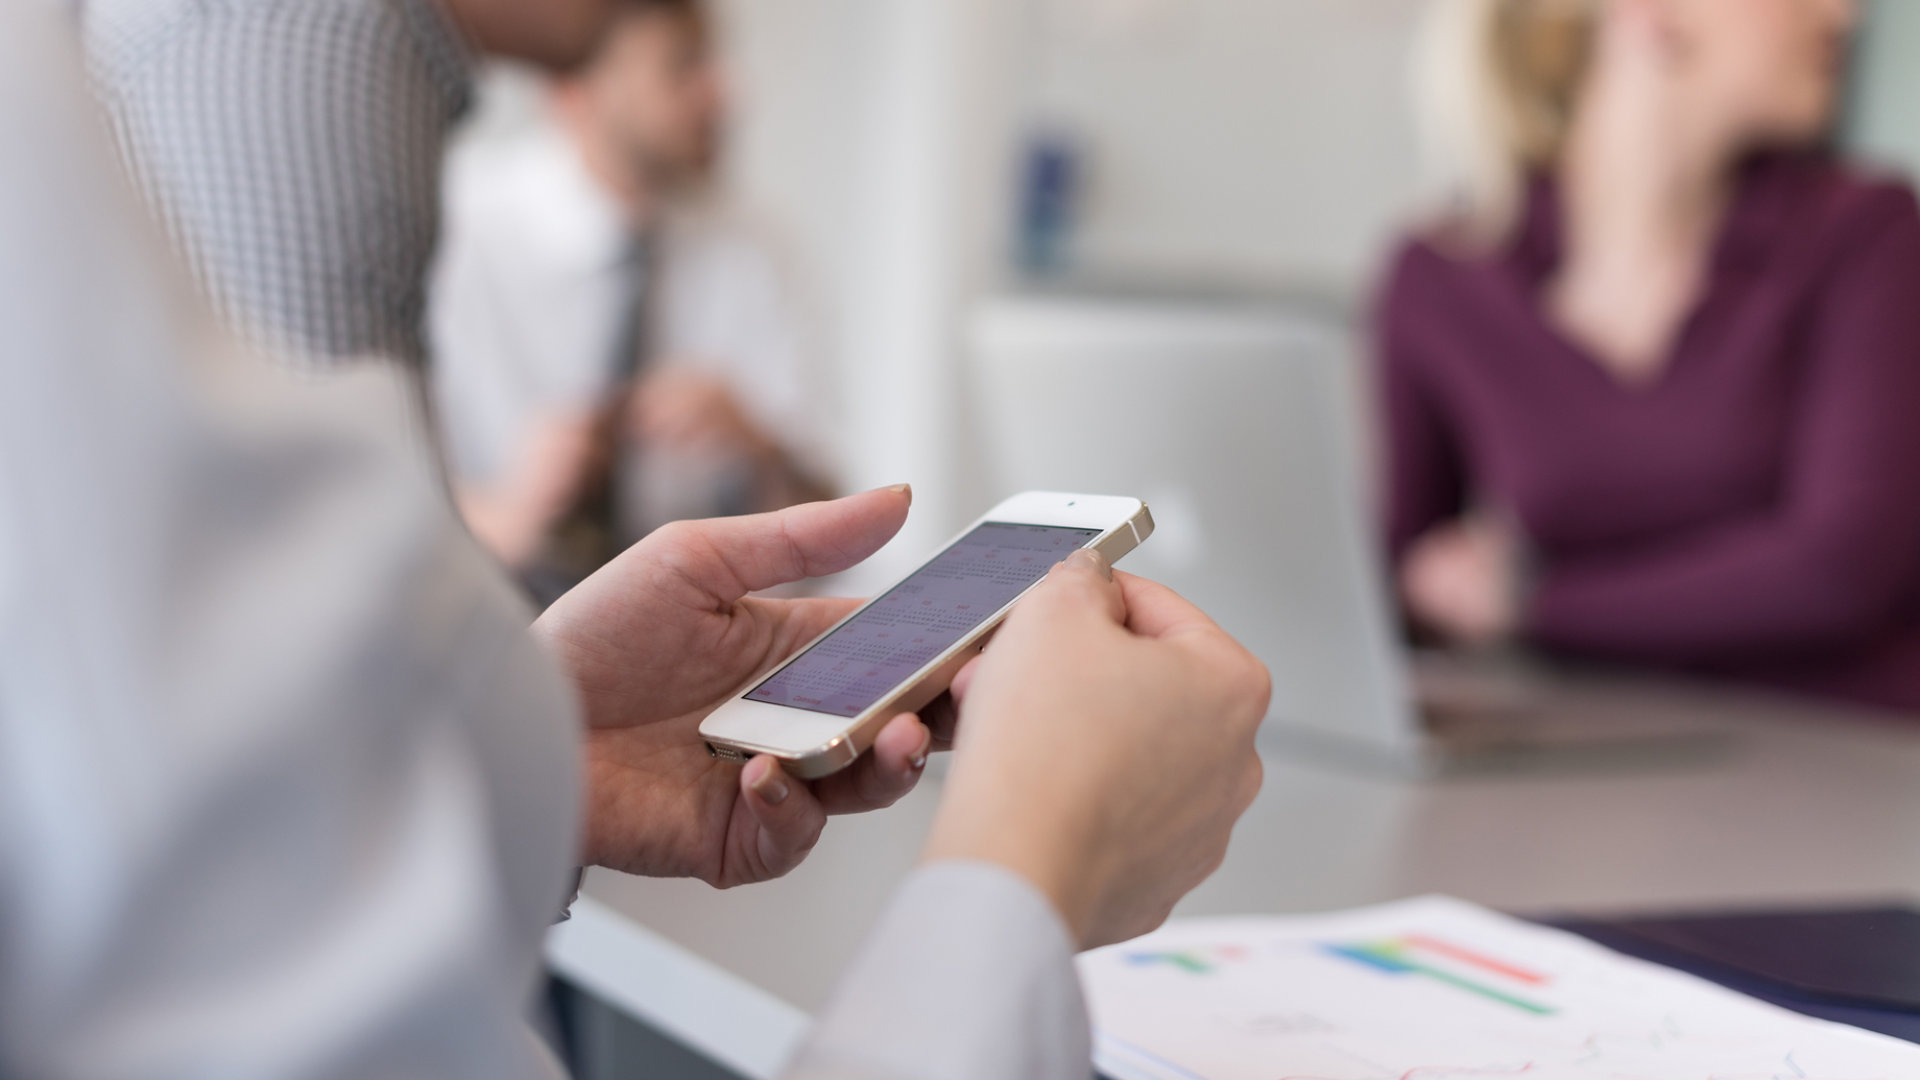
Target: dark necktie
column 589, row 535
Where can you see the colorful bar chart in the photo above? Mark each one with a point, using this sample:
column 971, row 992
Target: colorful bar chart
column 1406, row 956
column 1439, row 989
column 1194, row 961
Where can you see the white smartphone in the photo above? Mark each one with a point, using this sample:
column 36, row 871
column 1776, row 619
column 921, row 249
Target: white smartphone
column 822, row 708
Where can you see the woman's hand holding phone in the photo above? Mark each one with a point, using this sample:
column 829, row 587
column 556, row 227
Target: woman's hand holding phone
column 1105, row 749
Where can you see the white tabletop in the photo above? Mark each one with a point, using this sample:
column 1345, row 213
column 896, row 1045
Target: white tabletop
column 1803, row 805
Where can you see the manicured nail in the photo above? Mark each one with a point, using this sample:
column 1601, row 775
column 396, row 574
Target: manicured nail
column 1089, row 559
column 772, row 784
column 903, row 489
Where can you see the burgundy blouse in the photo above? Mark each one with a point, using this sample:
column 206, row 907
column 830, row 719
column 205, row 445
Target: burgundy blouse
column 1756, row 511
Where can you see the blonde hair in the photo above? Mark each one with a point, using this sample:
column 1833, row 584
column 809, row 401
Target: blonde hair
column 1495, row 84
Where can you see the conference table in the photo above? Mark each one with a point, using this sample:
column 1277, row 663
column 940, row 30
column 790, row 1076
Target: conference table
column 1793, row 803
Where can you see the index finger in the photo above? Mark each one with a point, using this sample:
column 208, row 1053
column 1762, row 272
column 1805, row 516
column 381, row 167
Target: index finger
column 1155, row 611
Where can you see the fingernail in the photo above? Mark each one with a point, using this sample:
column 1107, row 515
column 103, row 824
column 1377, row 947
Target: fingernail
column 919, row 758
column 903, row 489
column 1089, row 559
column 772, row 784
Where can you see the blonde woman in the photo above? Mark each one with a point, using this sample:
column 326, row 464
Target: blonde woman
column 1653, row 391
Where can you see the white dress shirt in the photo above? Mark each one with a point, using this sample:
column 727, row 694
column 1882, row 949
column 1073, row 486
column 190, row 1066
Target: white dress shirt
column 286, row 788
column 528, row 301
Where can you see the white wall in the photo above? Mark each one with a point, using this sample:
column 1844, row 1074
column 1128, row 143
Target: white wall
column 878, row 132
column 1884, row 124
column 804, row 72
column 1254, row 140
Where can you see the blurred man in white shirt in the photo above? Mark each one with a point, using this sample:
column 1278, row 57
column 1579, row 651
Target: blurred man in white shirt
column 610, row 353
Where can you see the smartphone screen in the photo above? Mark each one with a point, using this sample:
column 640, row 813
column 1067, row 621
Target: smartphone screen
column 847, row 671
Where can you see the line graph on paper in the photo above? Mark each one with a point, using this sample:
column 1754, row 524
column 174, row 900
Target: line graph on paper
column 1436, row 989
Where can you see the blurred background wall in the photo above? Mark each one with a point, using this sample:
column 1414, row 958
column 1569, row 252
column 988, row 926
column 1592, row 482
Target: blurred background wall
column 1225, row 140
column 1233, row 139
column 1885, row 98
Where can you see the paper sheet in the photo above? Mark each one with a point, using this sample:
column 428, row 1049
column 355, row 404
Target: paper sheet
column 1438, row 989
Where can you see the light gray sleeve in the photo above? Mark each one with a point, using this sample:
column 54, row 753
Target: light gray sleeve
column 286, row 789
column 968, row 976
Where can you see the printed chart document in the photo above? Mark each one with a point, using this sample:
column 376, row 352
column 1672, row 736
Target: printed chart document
column 1439, row 989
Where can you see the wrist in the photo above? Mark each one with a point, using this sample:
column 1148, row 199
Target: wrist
column 1048, row 850
column 573, row 895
